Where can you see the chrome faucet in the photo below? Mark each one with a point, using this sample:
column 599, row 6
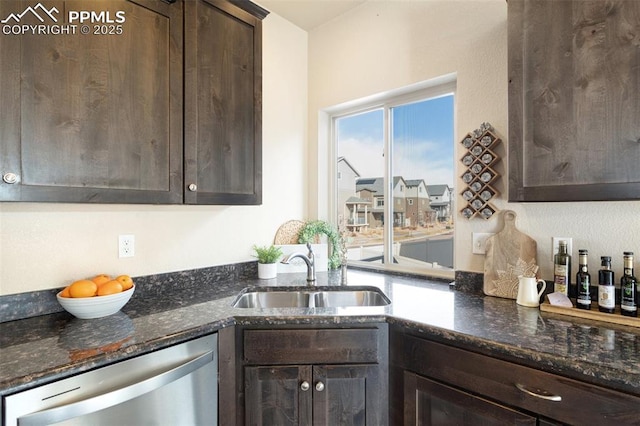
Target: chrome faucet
column 308, row 259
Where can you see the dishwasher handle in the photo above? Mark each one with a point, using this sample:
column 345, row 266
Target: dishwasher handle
column 115, row 397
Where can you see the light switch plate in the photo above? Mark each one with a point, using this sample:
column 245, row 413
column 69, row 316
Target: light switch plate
column 556, row 244
column 480, row 241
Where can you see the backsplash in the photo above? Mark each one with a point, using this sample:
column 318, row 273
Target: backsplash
column 469, row 282
column 215, row 282
column 43, row 302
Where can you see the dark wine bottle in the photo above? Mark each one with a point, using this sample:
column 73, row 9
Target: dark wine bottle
column 628, row 288
column 583, row 281
column 562, row 270
column 606, row 288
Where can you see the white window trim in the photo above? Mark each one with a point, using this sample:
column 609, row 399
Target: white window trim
column 327, row 187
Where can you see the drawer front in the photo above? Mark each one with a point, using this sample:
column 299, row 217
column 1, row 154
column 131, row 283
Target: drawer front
column 302, row 346
column 515, row 385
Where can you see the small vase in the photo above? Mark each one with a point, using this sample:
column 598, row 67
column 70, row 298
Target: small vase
column 267, row 271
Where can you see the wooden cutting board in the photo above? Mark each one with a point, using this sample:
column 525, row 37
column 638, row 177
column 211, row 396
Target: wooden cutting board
column 510, row 253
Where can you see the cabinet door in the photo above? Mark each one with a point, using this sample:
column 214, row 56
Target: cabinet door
column 430, row 403
column 276, row 396
column 95, row 116
column 574, row 100
column 223, row 111
column 349, row 395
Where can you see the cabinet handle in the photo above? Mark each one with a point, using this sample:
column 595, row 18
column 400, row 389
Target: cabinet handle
column 304, row 386
column 193, row 187
column 319, row 386
column 10, row 177
column 539, row 393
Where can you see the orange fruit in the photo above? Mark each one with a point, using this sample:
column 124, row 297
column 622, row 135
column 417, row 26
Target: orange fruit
column 65, row 292
column 101, row 279
column 83, row 288
column 110, row 287
column 126, row 281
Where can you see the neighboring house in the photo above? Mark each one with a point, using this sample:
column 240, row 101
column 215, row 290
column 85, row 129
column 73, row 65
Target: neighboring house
column 358, row 213
column 347, row 175
column 372, row 189
column 440, row 201
column 418, row 209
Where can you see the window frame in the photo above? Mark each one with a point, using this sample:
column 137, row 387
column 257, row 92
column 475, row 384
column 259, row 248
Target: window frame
column 438, row 87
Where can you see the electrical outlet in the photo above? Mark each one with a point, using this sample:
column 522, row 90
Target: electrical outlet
column 126, row 246
column 480, row 241
column 555, row 241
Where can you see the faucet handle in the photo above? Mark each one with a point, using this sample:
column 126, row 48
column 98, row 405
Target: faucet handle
column 310, row 255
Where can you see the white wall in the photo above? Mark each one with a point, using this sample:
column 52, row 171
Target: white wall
column 385, row 45
column 48, row 245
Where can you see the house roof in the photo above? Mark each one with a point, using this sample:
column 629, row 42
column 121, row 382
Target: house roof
column 414, row 182
column 372, row 184
column 356, row 200
column 349, row 165
column 439, row 204
column 437, row 190
column 375, row 184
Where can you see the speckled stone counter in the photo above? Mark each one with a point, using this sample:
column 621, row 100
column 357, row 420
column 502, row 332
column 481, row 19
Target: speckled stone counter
column 44, row 348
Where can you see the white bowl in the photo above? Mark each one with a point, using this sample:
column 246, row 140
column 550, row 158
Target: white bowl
column 96, row 306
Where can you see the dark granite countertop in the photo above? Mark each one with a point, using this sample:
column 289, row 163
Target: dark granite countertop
column 44, row 348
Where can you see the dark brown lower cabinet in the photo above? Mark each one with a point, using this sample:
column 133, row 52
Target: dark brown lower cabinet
column 313, row 395
column 443, row 385
column 428, row 403
column 304, row 375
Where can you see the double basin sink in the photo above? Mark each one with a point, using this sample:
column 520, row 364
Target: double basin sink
column 311, row 297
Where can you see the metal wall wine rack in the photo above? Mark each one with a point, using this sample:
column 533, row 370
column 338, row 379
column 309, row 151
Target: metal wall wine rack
column 480, row 175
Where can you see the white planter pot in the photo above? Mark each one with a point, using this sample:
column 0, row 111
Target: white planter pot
column 267, row 271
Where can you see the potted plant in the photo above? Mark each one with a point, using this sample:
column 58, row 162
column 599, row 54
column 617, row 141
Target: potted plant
column 268, row 257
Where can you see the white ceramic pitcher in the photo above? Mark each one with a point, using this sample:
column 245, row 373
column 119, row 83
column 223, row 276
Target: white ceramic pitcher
column 528, row 294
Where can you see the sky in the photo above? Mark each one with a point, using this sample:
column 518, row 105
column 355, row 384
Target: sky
column 423, row 145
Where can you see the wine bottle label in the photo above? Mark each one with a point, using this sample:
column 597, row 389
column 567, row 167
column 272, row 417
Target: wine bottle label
column 560, row 279
column 584, row 300
column 606, row 296
column 628, row 299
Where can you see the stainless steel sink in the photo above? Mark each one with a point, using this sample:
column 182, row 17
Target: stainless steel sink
column 273, row 299
column 311, row 297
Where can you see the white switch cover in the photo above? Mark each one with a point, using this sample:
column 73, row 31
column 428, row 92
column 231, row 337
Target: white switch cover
column 480, row 241
column 556, row 244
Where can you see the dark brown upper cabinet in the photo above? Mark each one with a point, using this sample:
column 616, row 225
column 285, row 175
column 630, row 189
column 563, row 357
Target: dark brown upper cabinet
column 93, row 117
column 165, row 109
column 223, row 103
column 574, row 100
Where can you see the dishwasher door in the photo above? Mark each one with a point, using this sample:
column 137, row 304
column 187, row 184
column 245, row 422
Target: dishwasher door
column 173, row 386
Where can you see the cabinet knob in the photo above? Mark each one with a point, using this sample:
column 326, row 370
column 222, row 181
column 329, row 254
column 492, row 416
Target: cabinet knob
column 304, row 386
column 319, row 386
column 10, row 177
column 193, row 187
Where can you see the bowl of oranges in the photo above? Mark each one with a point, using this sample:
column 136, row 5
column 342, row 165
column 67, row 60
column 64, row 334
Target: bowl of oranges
column 96, row 297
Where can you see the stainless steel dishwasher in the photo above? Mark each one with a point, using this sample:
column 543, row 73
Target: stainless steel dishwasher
column 173, row 386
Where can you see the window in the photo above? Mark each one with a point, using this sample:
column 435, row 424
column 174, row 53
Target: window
column 398, row 145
